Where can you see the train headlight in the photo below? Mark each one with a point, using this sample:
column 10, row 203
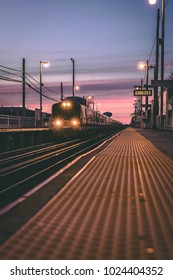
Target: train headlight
column 75, row 122
column 66, row 104
column 58, row 123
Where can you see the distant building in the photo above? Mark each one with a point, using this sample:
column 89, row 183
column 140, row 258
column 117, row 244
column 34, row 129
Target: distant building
column 21, row 112
column 22, row 117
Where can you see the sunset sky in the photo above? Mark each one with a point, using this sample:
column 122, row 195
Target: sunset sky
column 106, row 38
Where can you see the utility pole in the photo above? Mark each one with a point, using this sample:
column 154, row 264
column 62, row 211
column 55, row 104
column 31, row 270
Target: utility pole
column 41, row 84
column 62, row 92
column 156, row 70
column 162, row 61
column 146, row 100
column 23, row 83
column 73, row 91
column 141, row 98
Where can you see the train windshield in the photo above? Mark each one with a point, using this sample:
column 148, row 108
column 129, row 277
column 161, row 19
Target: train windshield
column 66, row 112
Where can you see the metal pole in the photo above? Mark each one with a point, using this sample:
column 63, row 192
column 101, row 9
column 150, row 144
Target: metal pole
column 146, row 100
column 61, row 91
column 41, row 93
column 73, row 77
column 156, row 69
column 162, row 61
column 141, row 98
column 23, row 83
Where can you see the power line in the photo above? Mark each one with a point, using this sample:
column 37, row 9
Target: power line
column 8, row 79
column 28, row 77
column 29, row 85
column 154, row 41
column 152, row 49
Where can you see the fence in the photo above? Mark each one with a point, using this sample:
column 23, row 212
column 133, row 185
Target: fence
column 16, row 122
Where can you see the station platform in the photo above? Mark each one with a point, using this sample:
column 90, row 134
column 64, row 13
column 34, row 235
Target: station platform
column 118, row 206
column 9, row 130
column 19, row 138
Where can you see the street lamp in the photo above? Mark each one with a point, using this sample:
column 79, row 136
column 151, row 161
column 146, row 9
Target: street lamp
column 162, row 56
column 97, row 107
column 90, row 100
column 45, row 63
column 152, row 2
column 141, row 65
column 144, row 65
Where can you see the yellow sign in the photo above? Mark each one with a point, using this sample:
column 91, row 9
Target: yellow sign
column 142, row 92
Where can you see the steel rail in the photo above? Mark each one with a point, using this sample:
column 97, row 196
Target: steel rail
column 25, row 177
column 32, row 153
column 16, row 152
column 34, row 158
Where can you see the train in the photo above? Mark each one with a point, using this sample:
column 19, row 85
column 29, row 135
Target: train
column 74, row 114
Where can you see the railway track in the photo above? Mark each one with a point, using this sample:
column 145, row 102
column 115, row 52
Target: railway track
column 27, row 157
column 19, row 173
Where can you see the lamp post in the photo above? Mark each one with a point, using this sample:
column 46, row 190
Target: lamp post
column 46, row 63
column 141, row 66
column 162, row 61
column 73, row 62
column 90, row 100
column 135, row 111
column 23, row 81
column 146, row 102
column 152, row 2
column 145, row 65
column 97, row 107
column 155, row 99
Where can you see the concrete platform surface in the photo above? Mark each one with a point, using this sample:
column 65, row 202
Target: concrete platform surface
column 162, row 139
column 119, row 206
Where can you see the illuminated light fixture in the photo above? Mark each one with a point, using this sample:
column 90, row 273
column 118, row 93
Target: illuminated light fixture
column 141, row 65
column 45, row 63
column 66, row 104
column 152, row 2
column 75, row 122
column 58, row 123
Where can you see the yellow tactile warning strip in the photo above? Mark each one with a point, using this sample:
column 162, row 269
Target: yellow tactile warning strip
column 118, row 207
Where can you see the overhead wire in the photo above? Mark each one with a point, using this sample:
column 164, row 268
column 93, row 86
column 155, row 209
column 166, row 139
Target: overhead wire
column 29, row 82
column 9, row 79
column 154, row 42
column 39, row 83
column 25, row 76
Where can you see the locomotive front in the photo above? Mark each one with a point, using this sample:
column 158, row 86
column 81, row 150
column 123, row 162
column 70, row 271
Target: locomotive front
column 66, row 115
